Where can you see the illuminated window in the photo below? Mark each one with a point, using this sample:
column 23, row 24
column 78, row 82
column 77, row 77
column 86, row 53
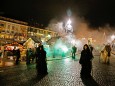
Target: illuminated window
column 8, row 26
column 12, row 31
column 38, row 31
column 1, row 24
column 45, row 32
column 12, row 27
column 41, row 31
column 35, row 30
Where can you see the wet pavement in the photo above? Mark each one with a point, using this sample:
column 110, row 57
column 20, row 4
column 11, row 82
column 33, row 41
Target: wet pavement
column 61, row 72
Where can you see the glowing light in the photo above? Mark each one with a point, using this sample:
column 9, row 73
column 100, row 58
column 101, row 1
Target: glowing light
column 83, row 38
column 67, row 60
column 64, row 48
column 68, row 27
column 69, row 22
column 49, row 36
column 73, row 42
column 43, row 40
column 113, row 37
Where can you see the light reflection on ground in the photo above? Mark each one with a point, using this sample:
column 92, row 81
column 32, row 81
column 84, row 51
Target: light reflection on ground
column 2, row 64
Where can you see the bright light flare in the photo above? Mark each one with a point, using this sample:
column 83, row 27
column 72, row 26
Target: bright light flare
column 73, row 41
column 49, row 36
column 113, row 37
column 69, row 21
column 69, row 26
column 64, row 48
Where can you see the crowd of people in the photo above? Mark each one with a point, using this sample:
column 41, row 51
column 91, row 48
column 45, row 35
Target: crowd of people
column 38, row 56
column 86, row 58
column 33, row 55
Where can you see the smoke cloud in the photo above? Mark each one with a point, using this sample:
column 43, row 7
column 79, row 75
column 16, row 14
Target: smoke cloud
column 82, row 30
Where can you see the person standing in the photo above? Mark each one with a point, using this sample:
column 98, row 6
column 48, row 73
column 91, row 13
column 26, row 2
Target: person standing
column 85, row 61
column 91, row 48
column 73, row 52
column 17, row 56
column 14, row 53
column 103, row 55
column 108, row 49
column 33, row 54
column 28, row 56
column 41, row 64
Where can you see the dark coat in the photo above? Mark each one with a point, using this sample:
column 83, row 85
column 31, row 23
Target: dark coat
column 41, row 64
column 74, row 49
column 85, row 61
column 86, row 57
column 16, row 52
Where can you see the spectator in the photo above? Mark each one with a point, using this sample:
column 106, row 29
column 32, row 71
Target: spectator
column 85, row 61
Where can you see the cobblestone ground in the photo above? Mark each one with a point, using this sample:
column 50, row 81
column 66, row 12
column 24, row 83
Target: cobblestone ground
column 65, row 72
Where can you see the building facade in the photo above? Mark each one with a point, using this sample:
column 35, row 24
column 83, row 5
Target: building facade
column 43, row 34
column 13, row 30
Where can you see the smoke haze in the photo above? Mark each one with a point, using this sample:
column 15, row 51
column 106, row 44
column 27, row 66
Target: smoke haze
column 82, row 29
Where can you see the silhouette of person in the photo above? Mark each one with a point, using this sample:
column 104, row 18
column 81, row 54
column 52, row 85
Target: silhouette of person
column 85, row 61
column 16, row 52
column 28, row 56
column 17, row 56
column 73, row 52
column 108, row 49
column 41, row 64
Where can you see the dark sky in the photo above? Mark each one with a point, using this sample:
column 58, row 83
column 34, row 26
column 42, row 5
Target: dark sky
column 96, row 12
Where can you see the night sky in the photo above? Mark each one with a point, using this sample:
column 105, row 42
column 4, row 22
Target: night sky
column 96, row 12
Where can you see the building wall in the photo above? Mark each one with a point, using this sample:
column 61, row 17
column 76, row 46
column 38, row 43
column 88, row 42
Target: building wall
column 41, row 33
column 10, row 31
column 14, row 30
